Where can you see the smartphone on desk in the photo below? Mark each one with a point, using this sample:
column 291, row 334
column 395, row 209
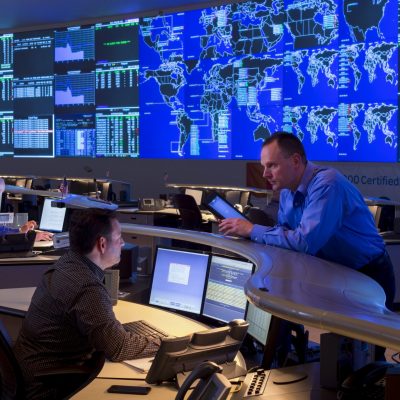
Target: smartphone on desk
column 125, row 389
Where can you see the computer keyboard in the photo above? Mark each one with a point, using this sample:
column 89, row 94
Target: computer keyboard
column 144, row 328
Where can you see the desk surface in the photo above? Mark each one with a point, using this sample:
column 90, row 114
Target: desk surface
column 173, row 324
column 304, row 289
column 38, row 259
column 306, row 389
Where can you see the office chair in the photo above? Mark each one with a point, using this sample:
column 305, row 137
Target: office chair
column 189, row 211
column 191, row 219
column 233, row 196
column 258, row 216
column 67, row 381
column 244, row 198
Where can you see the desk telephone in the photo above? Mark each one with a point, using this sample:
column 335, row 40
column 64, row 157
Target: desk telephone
column 149, row 204
column 367, row 382
column 212, row 384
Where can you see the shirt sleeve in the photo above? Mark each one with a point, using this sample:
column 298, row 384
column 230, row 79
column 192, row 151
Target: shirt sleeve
column 95, row 319
column 321, row 217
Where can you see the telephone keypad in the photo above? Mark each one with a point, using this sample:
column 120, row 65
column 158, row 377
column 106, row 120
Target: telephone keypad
column 256, row 383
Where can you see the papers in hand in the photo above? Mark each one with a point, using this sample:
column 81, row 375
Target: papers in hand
column 141, row 364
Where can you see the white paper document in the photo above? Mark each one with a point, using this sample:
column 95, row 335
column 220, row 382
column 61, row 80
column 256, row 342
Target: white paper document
column 140, row 364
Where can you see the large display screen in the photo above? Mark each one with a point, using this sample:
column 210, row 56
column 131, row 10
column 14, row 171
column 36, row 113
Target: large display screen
column 211, row 83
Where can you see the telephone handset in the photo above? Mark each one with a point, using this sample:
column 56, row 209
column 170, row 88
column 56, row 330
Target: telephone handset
column 212, row 384
column 365, row 382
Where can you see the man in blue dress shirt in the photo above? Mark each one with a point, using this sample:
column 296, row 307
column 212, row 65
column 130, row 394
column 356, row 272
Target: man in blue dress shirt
column 320, row 213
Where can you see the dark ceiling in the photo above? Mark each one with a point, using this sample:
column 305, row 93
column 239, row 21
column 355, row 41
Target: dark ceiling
column 21, row 15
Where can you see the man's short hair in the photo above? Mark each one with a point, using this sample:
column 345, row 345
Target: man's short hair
column 288, row 143
column 87, row 226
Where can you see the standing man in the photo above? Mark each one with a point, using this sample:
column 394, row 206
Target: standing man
column 320, row 213
column 71, row 314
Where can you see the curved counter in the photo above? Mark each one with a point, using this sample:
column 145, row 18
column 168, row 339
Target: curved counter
column 304, row 289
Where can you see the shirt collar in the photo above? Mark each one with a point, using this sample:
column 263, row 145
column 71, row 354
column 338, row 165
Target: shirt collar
column 99, row 273
column 301, row 191
column 309, row 173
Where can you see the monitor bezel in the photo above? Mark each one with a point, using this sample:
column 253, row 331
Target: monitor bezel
column 206, row 318
column 188, row 314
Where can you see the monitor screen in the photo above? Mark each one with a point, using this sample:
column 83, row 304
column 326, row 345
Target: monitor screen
column 20, row 182
column 225, row 299
column 222, row 208
column 259, row 322
column 178, row 279
column 53, row 218
column 196, row 194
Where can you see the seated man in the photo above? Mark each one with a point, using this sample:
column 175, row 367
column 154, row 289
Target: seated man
column 71, row 314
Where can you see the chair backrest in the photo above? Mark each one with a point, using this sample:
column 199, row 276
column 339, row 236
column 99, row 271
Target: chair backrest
column 86, row 374
column 232, row 196
column 258, row 216
column 244, row 198
column 189, row 211
column 66, row 381
column 11, row 381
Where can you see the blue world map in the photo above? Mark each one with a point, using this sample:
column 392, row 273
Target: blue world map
column 216, row 82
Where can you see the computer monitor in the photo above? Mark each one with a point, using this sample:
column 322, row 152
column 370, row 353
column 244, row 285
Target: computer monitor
column 82, row 187
column 28, row 183
column 21, row 182
column 222, row 208
column 105, row 190
column 180, row 355
column 259, row 323
column 225, row 299
column 196, row 194
column 178, row 279
column 53, row 219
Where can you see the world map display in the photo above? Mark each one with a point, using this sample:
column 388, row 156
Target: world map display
column 216, row 82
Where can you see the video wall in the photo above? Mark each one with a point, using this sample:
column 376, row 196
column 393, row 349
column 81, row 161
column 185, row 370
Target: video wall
column 207, row 84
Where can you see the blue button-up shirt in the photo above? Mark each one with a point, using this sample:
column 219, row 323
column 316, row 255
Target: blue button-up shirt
column 327, row 217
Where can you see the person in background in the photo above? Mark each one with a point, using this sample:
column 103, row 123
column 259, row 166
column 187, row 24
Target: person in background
column 71, row 313
column 320, row 213
column 30, row 225
column 40, row 235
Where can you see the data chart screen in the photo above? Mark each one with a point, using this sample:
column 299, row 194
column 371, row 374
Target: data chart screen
column 208, row 83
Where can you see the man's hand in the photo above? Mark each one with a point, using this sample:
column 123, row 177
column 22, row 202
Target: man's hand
column 40, row 235
column 235, row 227
column 28, row 226
column 43, row 236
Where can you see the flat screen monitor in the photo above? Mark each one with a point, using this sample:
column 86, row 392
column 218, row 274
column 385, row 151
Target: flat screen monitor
column 196, row 194
column 82, row 187
column 105, row 190
column 222, row 208
column 53, row 218
column 259, row 322
column 178, row 279
column 21, row 182
column 225, row 299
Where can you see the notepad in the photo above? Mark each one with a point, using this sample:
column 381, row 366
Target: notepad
column 141, row 364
